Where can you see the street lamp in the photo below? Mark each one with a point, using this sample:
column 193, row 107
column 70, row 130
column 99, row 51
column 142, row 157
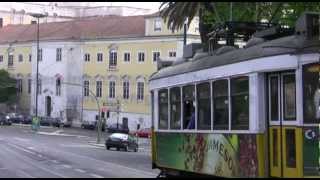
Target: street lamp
column 38, row 16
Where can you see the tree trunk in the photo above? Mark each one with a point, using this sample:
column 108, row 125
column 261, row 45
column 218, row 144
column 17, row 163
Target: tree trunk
column 203, row 29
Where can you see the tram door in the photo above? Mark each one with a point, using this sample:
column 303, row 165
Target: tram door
column 284, row 144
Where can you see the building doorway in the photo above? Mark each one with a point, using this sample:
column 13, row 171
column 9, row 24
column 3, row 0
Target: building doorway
column 48, row 106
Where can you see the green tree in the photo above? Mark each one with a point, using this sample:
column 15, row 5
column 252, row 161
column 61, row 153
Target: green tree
column 213, row 13
column 7, row 88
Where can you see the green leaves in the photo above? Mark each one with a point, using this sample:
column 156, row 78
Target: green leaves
column 7, row 87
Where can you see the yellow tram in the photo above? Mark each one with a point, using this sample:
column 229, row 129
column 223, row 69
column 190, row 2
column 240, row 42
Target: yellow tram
column 241, row 112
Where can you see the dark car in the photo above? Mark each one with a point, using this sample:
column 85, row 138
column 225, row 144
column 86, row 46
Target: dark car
column 15, row 118
column 27, row 120
column 4, row 119
column 121, row 141
column 92, row 125
column 118, row 128
column 88, row 125
column 45, row 121
column 57, row 122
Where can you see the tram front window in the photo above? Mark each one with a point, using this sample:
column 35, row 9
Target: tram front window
column 220, row 105
column 311, row 93
column 188, row 107
column 204, row 106
column 163, row 109
column 240, row 103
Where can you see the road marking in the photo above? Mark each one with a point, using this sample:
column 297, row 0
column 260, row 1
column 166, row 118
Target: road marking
column 22, row 149
column 66, row 166
column 80, row 170
column 25, row 175
column 34, row 164
column 96, row 176
column 21, row 139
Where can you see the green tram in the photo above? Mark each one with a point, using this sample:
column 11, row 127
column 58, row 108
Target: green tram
column 249, row 112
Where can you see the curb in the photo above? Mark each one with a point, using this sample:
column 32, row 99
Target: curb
column 29, row 125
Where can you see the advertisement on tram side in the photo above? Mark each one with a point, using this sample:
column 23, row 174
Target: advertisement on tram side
column 311, row 151
column 224, row 155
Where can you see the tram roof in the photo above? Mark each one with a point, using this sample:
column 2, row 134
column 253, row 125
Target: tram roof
column 294, row 44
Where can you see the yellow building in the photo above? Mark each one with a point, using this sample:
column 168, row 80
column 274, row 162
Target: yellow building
column 112, row 56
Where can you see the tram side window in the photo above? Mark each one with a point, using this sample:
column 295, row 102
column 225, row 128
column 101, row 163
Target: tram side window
column 220, row 105
column 163, row 109
column 240, row 103
column 311, row 93
column 204, row 106
column 175, row 108
column 289, row 97
column 188, row 107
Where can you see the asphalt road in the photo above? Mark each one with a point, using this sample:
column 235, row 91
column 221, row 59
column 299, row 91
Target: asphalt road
column 25, row 154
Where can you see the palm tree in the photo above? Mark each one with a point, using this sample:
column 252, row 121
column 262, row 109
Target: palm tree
column 176, row 14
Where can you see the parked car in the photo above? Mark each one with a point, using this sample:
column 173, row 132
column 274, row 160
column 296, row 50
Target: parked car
column 122, row 141
column 146, row 133
column 45, row 121
column 4, row 119
column 66, row 123
column 15, row 117
column 118, row 128
column 57, row 122
column 88, row 125
column 27, row 119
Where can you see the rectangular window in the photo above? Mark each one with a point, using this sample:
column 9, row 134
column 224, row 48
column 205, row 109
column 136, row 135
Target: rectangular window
column 112, row 89
column 126, row 57
column 58, row 54
column 220, row 91
column 141, row 56
column 112, row 59
column 172, row 54
column 289, row 97
column 86, row 88
column 188, row 107
column 1, row 58
column 204, row 106
column 99, row 89
column 275, row 147
column 140, row 90
column 10, row 60
column 156, row 56
column 175, row 108
column 126, row 90
column 29, row 86
column 311, row 93
column 40, row 54
column 157, row 24
column 20, row 58
column 274, row 98
column 290, row 148
column 86, row 57
column 240, row 103
column 30, row 57
column 99, row 57
column 163, row 109
column 58, row 87
column 19, row 84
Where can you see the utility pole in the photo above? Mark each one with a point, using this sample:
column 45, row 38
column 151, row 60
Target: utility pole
column 118, row 109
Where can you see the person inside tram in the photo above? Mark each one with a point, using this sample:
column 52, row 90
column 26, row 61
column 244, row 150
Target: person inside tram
column 189, row 115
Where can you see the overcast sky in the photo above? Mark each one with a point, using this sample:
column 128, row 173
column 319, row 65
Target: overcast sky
column 154, row 6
